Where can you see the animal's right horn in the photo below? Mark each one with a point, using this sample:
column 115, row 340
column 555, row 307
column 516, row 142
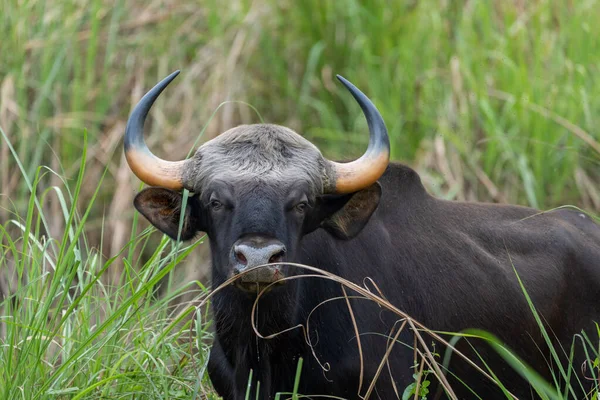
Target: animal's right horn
column 145, row 165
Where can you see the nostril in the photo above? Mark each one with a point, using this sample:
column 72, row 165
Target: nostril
column 241, row 258
column 277, row 257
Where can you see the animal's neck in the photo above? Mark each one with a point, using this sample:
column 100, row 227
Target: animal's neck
column 273, row 312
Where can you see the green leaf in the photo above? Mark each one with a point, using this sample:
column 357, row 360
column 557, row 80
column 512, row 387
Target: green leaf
column 409, row 391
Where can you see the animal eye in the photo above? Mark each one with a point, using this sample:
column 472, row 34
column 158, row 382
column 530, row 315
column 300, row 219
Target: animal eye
column 215, row 204
column 301, row 207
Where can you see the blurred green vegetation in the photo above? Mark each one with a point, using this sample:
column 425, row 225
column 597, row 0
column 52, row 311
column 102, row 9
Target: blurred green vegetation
column 488, row 100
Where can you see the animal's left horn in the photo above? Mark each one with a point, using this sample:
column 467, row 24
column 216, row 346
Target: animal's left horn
column 149, row 168
column 359, row 174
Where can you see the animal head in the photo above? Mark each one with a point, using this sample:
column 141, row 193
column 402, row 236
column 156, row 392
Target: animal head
column 257, row 190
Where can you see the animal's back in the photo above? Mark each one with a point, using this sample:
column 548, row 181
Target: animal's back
column 454, row 266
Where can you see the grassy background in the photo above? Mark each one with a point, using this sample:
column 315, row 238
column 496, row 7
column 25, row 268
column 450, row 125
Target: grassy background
column 494, row 101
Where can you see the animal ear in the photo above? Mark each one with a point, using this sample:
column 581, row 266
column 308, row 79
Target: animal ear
column 345, row 216
column 162, row 207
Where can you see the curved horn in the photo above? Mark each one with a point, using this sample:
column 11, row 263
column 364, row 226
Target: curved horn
column 145, row 165
column 359, row 174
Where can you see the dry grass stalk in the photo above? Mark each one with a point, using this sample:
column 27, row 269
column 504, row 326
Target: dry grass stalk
column 364, row 293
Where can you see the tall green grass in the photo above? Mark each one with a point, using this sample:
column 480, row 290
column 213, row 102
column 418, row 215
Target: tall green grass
column 492, row 101
column 488, row 100
column 66, row 333
column 499, row 86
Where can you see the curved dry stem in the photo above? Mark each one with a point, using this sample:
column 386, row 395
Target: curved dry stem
column 324, row 366
column 384, row 361
column 321, row 274
column 439, row 374
column 358, row 342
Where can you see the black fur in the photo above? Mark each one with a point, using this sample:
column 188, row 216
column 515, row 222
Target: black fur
column 447, row 264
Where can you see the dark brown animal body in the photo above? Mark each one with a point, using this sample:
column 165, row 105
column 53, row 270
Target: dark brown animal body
column 450, row 265
column 447, row 264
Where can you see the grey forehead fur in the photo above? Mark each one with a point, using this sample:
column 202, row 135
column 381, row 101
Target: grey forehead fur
column 270, row 153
